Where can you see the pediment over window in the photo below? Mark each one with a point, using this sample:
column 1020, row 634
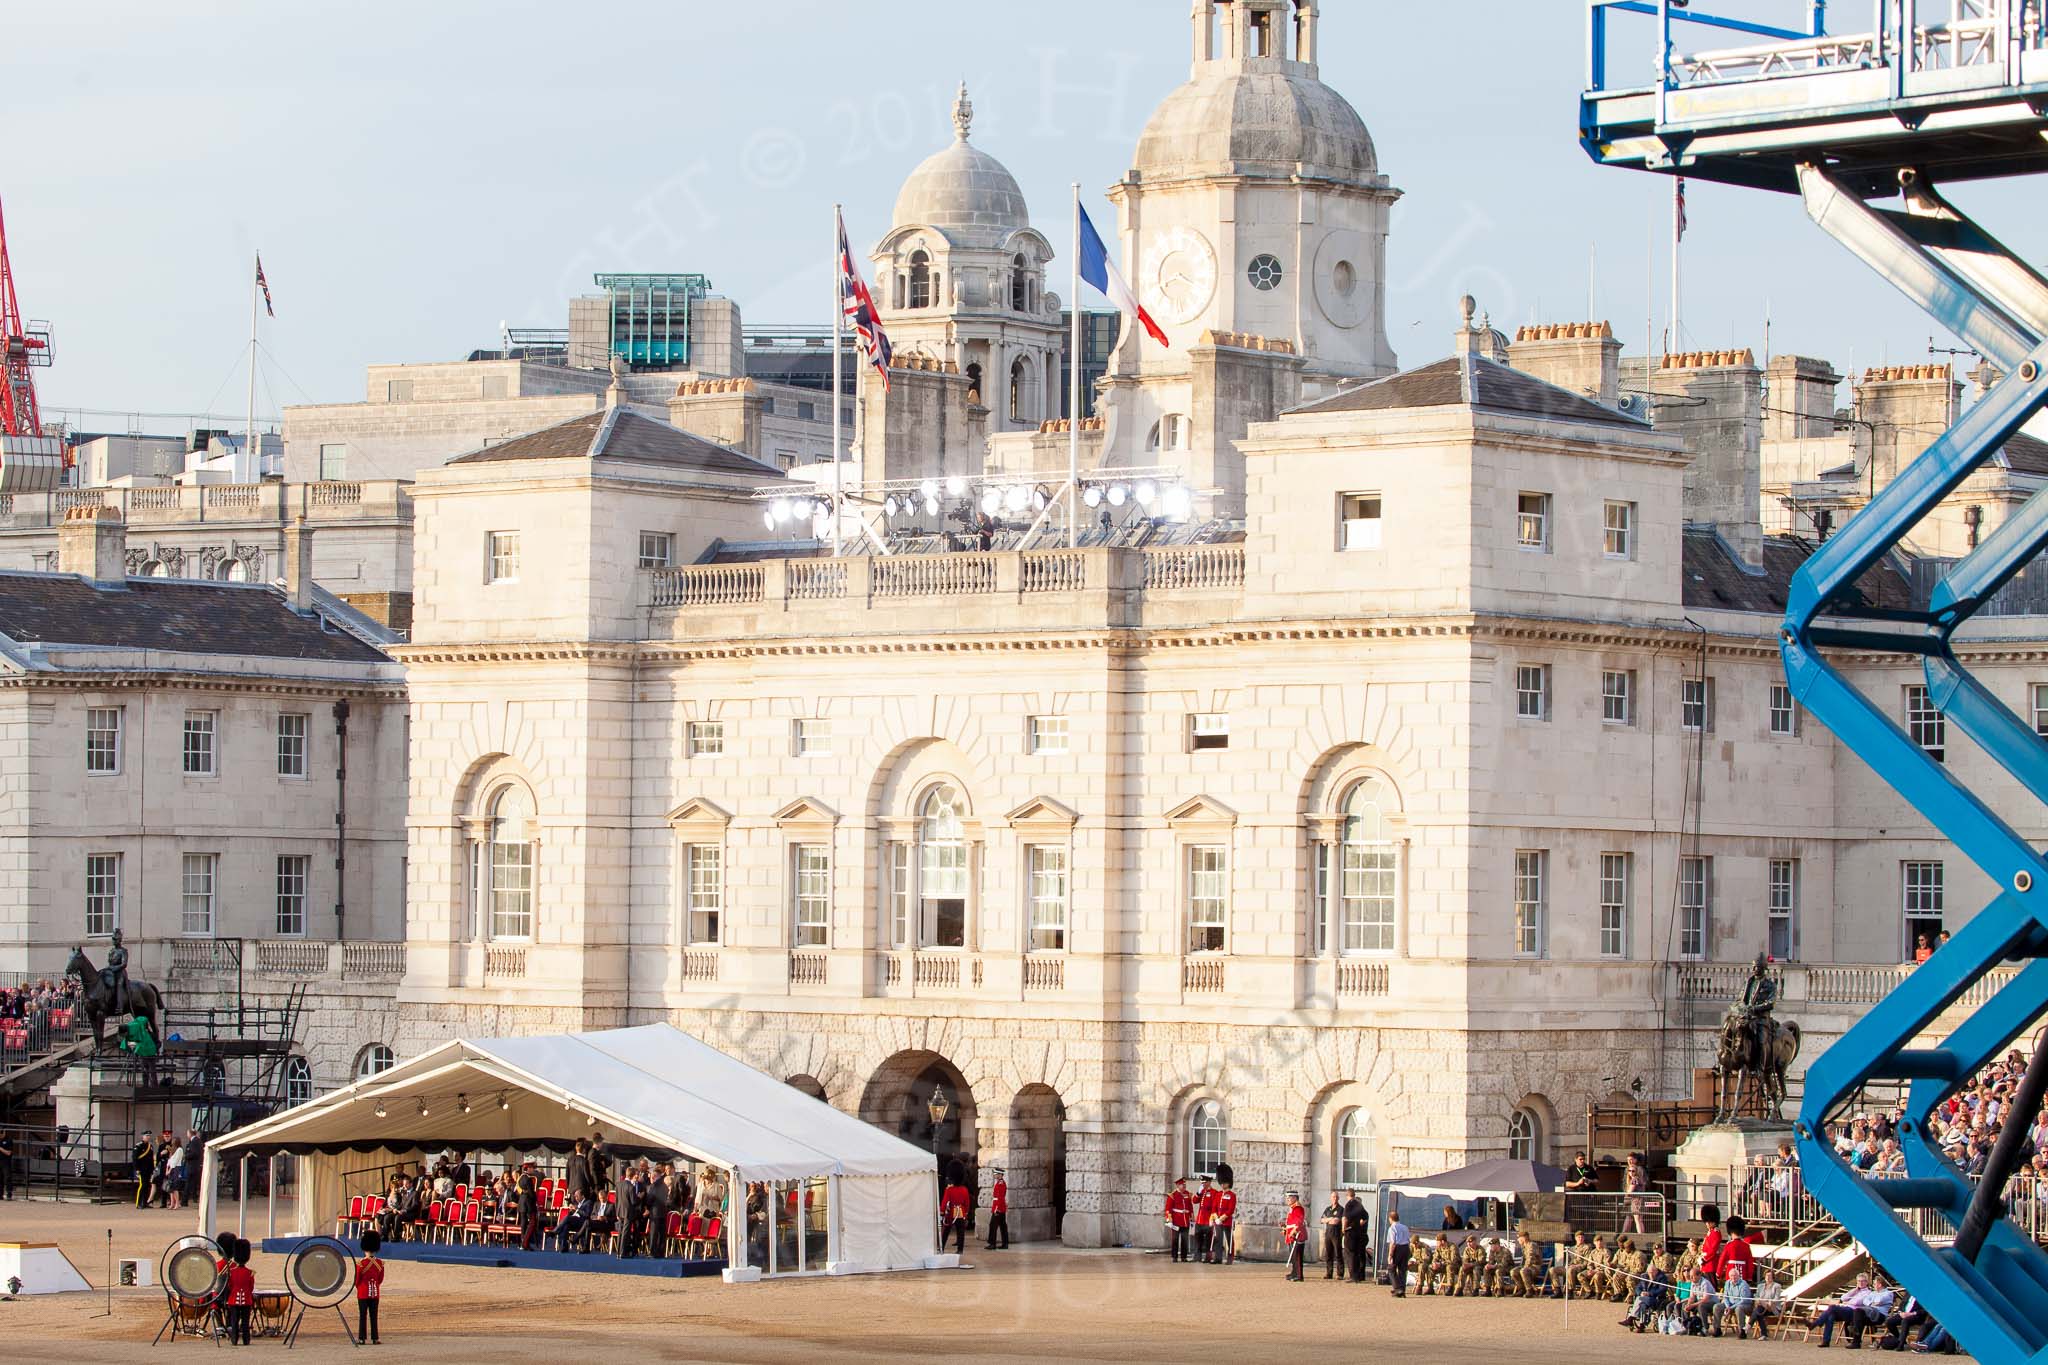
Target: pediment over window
column 1202, row 810
column 697, row 813
column 1043, row 812
column 806, row 811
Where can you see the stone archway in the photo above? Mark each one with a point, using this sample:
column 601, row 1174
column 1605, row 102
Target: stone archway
column 810, row 1085
column 1037, row 1164
column 899, row 1099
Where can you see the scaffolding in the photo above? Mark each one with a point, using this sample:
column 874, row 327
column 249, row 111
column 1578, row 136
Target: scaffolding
column 1929, row 95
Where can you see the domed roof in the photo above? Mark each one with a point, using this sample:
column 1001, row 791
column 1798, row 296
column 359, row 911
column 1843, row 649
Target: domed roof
column 963, row 191
column 1232, row 120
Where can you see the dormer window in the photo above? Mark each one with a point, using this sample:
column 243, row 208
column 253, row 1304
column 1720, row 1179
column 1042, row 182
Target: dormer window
column 920, row 280
column 1020, row 297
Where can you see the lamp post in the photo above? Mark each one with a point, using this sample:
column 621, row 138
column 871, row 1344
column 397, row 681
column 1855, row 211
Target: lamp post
column 937, row 1107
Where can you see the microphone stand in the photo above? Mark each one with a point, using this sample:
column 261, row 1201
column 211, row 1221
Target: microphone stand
column 110, row 1277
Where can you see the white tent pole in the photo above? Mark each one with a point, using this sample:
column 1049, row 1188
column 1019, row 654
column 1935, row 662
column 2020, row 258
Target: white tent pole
column 209, row 1189
column 270, row 1202
column 242, row 1199
column 832, row 1231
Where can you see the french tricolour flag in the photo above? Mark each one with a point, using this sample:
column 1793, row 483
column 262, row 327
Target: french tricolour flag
column 1096, row 269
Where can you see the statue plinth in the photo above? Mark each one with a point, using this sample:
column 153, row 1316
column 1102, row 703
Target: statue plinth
column 1714, row 1155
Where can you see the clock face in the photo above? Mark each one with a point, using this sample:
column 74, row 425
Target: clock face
column 1183, row 275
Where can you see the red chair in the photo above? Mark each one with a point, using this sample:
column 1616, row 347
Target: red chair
column 713, row 1237
column 673, row 1233
column 561, row 1197
column 435, row 1217
column 352, row 1220
column 692, row 1233
column 461, row 1193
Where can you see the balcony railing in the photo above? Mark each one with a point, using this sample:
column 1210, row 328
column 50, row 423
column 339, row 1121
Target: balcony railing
column 1361, row 978
column 1195, row 567
column 505, row 963
column 1045, row 974
column 956, row 575
column 806, row 969
column 700, row 965
column 372, row 961
column 708, row 585
column 169, row 504
column 816, row 580
column 1201, row 975
column 291, row 957
column 1056, row 571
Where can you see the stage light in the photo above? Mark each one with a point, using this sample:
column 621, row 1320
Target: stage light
column 1038, row 499
column 1016, row 497
column 1117, row 494
column 462, row 1104
column 590, row 1120
column 1093, row 497
column 889, row 506
column 504, row 1100
column 1179, row 502
column 991, row 501
column 930, row 488
column 768, row 520
column 1147, row 491
column 379, row 1110
column 779, row 509
column 423, row 1108
column 956, row 487
column 931, row 507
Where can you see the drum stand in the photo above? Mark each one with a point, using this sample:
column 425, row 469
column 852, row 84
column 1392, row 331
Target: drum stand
column 291, row 1335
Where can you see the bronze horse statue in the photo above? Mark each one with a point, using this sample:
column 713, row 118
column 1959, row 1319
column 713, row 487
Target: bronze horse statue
column 144, row 1000
column 1736, row 1062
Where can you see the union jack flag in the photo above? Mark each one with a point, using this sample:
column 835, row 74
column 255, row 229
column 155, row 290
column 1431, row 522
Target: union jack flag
column 859, row 307
column 264, row 285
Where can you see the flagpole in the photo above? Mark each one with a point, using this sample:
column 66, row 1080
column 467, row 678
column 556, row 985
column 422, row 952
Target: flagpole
column 1677, row 241
column 252, row 468
column 1075, row 404
column 838, row 324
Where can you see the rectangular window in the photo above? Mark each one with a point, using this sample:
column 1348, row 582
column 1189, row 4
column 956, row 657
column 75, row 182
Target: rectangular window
column 806, row 412
column 292, row 871
column 398, row 390
column 201, row 874
column 1784, row 713
column 2039, row 697
column 1615, row 876
column 704, row 867
column 1784, row 909
column 1695, row 905
column 1696, row 704
column 1532, row 521
column 1320, row 855
column 811, row 737
column 812, row 883
column 479, row 887
column 1046, row 867
column 657, row 549
column 1618, row 696
column 512, row 888
column 1925, row 899
column 1927, row 726
column 333, row 463
column 1532, row 691
column 503, row 549
column 1618, row 532
column 1532, row 866
column 1365, row 887
column 102, row 894
column 1208, row 890
column 901, row 889
column 103, row 739
column 1048, row 734
column 706, row 738
column 1208, row 730
column 202, row 759
column 1359, row 521
column 292, row 730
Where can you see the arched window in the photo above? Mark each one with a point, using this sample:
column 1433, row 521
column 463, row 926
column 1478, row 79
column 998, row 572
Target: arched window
column 1525, row 1135
column 1357, row 1167
column 1168, row 433
column 1023, row 390
column 1208, row 1139
column 974, row 382
column 1366, row 865
column 942, row 869
column 234, row 571
column 153, row 568
column 1020, row 297
column 298, row 1080
column 920, row 280
column 511, row 842
column 374, row 1060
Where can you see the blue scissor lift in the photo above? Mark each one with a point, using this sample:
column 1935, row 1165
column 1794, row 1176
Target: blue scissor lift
column 1915, row 95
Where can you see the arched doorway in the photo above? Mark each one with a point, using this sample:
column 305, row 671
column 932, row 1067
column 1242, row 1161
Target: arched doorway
column 808, row 1084
column 1037, row 1168
column 923, row 1099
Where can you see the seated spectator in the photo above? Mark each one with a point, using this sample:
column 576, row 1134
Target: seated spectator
column 1857, row 1309
column 574, row 1225
column 1899, row 1325
column 1654, row 1299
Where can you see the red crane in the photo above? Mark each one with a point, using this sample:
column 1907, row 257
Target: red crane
column 23, row 346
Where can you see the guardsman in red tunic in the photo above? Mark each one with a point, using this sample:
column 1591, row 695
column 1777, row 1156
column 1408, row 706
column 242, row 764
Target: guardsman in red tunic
column 1180, row 1212
column 1294, row 1234
column 999, row 1211
column 1205, row 1214
column 1223, row 1228
column 953, row 1207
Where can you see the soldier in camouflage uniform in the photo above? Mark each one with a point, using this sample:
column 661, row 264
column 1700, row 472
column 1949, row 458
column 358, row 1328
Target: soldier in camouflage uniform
column 1688, row 1263
column 1471, row 1267
column 1500, row 1270
column 1529, row 1274
column 1577, row 1267
column 1428, row 1266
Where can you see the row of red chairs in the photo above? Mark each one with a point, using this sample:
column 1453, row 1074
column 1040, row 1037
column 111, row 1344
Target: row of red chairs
column 454, row 1220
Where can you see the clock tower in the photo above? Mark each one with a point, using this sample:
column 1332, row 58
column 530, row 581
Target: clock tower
column 1254, row 228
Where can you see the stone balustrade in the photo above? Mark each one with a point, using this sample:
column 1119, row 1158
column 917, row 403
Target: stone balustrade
column 505, row 962
column 284, row 959
column 1045, row 974
column 700, row 965
column 887, row 579
column 807, row 969
column 1202, row 975
column 173, row 504
column 1361, row 978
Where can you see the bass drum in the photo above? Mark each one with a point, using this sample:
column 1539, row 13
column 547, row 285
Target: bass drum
column 191, row 1269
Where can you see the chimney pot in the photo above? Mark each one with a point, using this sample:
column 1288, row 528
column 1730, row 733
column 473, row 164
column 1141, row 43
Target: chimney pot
column 92, row 542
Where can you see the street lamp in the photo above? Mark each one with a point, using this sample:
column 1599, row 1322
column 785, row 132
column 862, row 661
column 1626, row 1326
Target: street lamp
column 937, row 1108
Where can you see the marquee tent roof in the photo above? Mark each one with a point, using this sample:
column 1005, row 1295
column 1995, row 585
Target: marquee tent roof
column 653, row 1086
column 1495, row 1179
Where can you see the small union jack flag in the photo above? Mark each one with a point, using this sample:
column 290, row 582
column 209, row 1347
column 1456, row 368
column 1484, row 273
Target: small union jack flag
column 264, row 285
column 1682, row 221
column 859, row 307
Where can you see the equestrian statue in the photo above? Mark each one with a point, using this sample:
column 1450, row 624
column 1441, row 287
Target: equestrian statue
column 1754, row 1046
column 109, row 994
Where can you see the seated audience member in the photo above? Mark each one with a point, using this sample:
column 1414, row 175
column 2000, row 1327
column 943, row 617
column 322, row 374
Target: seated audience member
column 573, row 1228
column 1856, row 1310
column 1654, row 1298
column 1899, row 1325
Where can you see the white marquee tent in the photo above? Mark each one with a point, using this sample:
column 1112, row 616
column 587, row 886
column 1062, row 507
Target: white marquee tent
column 654, row 1087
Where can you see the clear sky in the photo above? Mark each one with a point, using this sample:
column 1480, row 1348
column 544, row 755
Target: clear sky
column 416, row 172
